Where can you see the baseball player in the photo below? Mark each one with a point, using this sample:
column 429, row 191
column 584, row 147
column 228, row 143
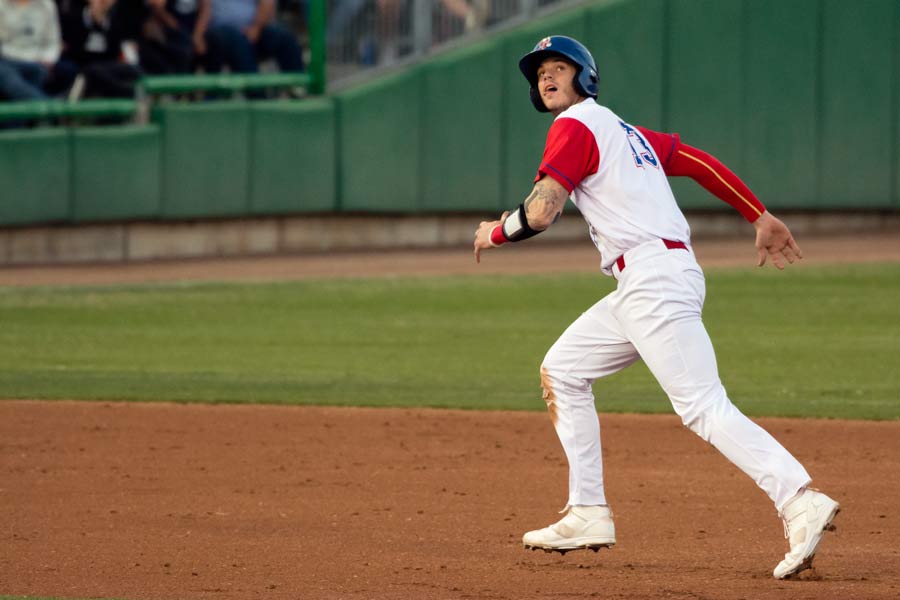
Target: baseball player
column 615, row 173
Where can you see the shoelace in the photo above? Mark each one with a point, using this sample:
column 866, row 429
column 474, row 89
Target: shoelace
column 787, row 528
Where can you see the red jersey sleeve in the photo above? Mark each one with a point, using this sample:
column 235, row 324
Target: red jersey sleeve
column 679, row 159
column 571, row 153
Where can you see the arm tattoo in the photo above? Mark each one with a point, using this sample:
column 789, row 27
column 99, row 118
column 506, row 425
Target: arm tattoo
column 544, row 205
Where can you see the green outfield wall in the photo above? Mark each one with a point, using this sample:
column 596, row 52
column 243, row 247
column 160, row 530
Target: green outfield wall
column 801, row 98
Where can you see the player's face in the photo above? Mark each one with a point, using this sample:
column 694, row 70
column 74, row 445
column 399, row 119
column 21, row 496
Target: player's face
column 555, row 84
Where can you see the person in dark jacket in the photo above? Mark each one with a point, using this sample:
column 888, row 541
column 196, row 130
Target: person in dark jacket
column 99, row 39
column 173, row 36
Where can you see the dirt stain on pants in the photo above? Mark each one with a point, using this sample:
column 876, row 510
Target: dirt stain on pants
column 548, row 395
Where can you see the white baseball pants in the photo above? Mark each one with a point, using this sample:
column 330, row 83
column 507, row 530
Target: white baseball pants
column 655, row 314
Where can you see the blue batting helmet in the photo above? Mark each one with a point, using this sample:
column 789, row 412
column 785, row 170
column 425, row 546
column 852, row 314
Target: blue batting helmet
column 572, row 50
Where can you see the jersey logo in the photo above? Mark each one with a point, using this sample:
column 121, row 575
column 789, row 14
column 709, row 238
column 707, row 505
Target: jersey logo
column 544, row 44
column 642, row 154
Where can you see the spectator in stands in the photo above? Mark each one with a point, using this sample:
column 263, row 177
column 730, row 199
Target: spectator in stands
column 29, row 47
column 66, row 68
column 367, row 31
column 471, row 15
column 99, row 39
column 174, row 35
column 243, row 32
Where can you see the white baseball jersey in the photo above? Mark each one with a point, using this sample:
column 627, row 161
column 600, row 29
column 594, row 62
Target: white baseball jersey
column 615, row 179
column 616, row 175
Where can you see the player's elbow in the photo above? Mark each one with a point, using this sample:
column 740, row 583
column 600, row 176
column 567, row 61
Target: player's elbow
column 539, row 220
column 540, row 224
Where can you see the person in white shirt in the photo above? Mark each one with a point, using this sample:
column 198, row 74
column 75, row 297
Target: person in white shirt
column 29, row 47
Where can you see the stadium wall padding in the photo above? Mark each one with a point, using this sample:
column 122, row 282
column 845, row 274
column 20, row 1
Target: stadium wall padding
column 462, row 103
column 35, row 173
column 801, row 99
column 292, row 157
column 779, row 128
column 115, row 173
column 857, row 103
column 379, row 139
column 703, row 88
column 206, row 159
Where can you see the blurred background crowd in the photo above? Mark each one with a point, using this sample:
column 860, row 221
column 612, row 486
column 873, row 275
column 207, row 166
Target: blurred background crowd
column 101, row 48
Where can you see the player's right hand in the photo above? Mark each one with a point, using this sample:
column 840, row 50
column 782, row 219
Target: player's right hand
column 483, row 235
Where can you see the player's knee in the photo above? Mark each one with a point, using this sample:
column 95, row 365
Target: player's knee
column 555, row 378
column 551, row 373
column 547, row 383
column 548, row 393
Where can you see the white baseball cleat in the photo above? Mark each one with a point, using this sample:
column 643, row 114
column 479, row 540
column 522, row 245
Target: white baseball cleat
column 806, row 518
column 583, row 527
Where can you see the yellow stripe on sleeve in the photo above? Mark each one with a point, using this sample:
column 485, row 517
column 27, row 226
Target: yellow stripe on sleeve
column 719, row 177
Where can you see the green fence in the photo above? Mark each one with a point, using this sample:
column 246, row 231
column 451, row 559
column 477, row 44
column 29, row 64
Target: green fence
column 380, row 145
column 35, row 175
column 801, row 98
column 293, row 157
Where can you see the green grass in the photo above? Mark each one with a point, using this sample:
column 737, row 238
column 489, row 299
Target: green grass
column 807, row 342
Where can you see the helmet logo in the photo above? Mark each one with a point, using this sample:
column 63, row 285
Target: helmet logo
column 544, row 44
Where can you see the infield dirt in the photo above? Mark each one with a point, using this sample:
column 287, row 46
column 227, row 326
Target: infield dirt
column 172, row 502
column 157, row 501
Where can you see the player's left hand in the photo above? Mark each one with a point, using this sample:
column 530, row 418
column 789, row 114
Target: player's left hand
column 483, row 235
column 773, row 238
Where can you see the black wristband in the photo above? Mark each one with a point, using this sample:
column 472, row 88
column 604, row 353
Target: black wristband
column 516, row 227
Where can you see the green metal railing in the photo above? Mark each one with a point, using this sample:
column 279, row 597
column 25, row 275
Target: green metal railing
column 43, row 110
column 317, row 52
column 239, row 82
